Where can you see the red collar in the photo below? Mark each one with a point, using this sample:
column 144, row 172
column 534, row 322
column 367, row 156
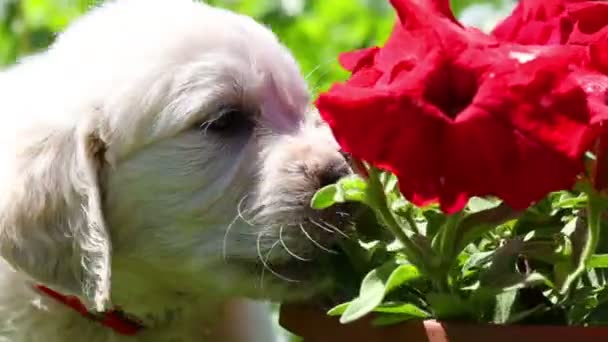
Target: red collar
column 114, row 319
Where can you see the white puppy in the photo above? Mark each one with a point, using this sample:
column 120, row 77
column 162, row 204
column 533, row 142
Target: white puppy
column 158, row 160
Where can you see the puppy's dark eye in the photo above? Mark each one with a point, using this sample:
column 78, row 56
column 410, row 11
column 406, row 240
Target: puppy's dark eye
column 224, row 122
column 227, row 122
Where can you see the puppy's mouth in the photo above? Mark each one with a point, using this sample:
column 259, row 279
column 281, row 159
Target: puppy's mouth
column 310, row 251
column 332, row 275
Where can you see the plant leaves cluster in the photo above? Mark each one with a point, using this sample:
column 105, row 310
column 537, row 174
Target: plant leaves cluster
column 487, row 263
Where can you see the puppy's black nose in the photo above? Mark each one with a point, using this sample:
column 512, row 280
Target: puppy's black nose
column 332, row 173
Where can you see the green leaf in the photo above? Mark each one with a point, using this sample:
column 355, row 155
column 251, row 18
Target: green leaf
column 504, row 306
column 514, row 281
column 390, row 319
column 477, row 204
column 550, row 251
column 475, row 225
column 598, row 316
column 400, row 207
column 598, row 261
column 353, row 182
column 446, row 239
column 353, row 189
column 435, row 219
column 403, row 308
column 502, row 274
column 521, row 315
column 584, row 241
column 325, row 197
column 338, row 309
column 572, row 202
column 347, row 189
column 410, row 312
column 390, row 183
column 476, row 260
column 448, row 306
column 400, row 276
column 429, row 259
column 375, row 286
column 581, row 304
column 596, row 277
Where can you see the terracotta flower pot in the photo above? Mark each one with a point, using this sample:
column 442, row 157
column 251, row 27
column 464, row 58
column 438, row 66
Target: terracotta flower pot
column 314, row 325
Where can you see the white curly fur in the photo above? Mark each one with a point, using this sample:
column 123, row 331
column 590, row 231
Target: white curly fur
column 110, row 189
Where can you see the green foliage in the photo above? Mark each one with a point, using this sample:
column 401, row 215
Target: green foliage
column 376, row 285
column 27, row 26
column 487, row 263
column 315, row 30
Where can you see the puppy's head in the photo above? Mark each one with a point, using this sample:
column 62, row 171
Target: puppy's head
column 164, row 146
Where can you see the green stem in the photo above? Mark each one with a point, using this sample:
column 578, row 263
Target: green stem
column 448, row 237
column 596, row 206
column 410, row 220
column 594, row 212
column 446, row 248
column 379, row 204
column 476, row 225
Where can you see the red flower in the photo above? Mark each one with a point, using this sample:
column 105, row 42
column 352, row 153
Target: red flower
column 456, row 113
column 555, row 22
column 580, row 24
column 590, row 20
column 536, row 22
column 577, row 24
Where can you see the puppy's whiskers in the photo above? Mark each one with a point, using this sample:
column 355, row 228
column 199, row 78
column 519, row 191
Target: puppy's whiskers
column 265, row 264
column 240, row 214
column 276, row 243
column 225, row 241
column 315, row 70
column 287, row 249
column 315, row 242
column 312, row 72
column 239, row 210
column 329, row 227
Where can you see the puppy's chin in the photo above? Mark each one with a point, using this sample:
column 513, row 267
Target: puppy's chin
column 289, row 282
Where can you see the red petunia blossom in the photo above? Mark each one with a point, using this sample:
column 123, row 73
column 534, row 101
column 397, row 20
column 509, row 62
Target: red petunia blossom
column 579, row 24
column 590, row 20
column 456, row 113
column 555, row 22
column 536, row 22
column 576, row 24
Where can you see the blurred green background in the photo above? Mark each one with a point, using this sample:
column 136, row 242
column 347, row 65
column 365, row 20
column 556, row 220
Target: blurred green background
column 315, row 30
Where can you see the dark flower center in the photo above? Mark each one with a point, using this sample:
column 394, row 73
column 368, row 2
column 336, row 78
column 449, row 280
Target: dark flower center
column 451, row 88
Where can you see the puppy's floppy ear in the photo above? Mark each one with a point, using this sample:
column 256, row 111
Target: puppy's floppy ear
column 51, row 221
